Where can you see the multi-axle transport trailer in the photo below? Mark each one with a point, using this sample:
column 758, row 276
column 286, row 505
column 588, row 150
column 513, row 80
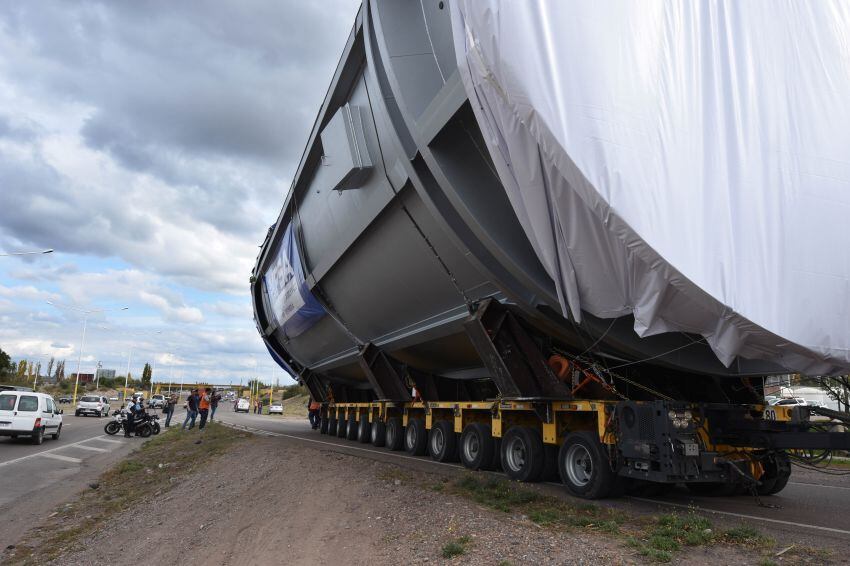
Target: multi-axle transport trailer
column 599, row 447
column 415, row 284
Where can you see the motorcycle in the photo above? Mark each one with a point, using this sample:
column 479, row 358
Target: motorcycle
column 115, row 426
column 145, row 425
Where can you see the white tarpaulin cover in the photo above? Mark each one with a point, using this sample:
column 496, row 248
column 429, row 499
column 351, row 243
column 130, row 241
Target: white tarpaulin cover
column 687, row 162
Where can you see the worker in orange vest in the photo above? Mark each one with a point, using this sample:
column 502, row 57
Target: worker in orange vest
column 313, row 413
column 204, row 407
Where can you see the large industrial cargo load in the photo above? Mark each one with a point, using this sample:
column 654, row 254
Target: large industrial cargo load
column 579, row 225
column 627, row 197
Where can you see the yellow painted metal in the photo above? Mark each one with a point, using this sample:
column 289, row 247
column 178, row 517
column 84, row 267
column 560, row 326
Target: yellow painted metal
column 459, row 421
column 550, row 433
column 428, row 420
column 497, row 427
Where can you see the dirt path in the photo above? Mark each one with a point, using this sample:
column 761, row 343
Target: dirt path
column 273, row 502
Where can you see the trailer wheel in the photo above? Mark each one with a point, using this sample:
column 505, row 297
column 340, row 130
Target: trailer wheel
column 332, row 427
column 379, row 433
column 477, row 448
column 777, row 472
column 523, row 454
column 395, row 434
column 342, row 428
column 415, row 437
column 352, row 427
column 585, row 468
column 442, row 442
column 364, row 430
column 323, row 427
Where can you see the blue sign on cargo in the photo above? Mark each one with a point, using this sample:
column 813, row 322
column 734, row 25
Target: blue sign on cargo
column 294, row 308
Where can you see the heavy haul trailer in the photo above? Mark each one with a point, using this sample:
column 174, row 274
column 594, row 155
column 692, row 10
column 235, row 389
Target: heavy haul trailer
column 399, row 264
column 599, row 447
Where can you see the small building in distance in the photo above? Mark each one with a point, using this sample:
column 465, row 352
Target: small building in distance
column 84, row 377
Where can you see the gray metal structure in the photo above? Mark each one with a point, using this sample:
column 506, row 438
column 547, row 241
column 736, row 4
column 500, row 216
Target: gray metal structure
column 403, row 229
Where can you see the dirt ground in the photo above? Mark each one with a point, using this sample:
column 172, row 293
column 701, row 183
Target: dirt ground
column 274, row 502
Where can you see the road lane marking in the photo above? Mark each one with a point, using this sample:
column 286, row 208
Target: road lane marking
column 817, row 485
column 43, row 452
column 741, row 515
column 102, row 439
column 679, row 505
column 60, row 457
column 92, row 448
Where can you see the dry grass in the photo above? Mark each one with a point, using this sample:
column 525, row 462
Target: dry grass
column 151, row 470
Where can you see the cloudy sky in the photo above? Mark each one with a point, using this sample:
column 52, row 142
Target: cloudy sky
column 151, row 145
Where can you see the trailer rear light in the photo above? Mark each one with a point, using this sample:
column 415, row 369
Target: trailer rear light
column 37, row 423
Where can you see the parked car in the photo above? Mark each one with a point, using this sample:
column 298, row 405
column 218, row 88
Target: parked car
column 276, row 409
column 790, row 401
column 24, row 413
column 157, row 401
column 243, row 405
column 65, row 399
column 92, row 405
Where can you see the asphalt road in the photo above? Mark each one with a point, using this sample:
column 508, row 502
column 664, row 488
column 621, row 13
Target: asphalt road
column 34, row 480
column 811, row 510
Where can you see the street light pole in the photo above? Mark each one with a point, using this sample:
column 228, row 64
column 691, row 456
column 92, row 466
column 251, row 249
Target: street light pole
column 80, row 360
column 86, row 314
column 127, row 377
column 37, row 252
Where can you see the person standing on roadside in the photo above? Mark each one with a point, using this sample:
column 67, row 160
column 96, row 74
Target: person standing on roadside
column 215, row 397
column 170, row 404
column 191, row 410
column 204, row 407
column 313, row 413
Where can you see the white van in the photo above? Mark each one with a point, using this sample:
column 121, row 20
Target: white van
column 29, row 414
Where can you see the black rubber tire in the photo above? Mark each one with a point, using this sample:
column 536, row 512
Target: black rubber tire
column 38, row 437
column 332, row 427
column 364, row 430
column 155, row 429
column 601, row 480
column 777, row 472
column 379, row 433
column 112, row 428
column 58, row 433
column 342, row 428
column 143, row 430
column 323, row 425
column 477, row 447
column 523, row 454
column 442, row 442
column 352, row 427
column 415, row 437
column 76, row 413
column 394, row 438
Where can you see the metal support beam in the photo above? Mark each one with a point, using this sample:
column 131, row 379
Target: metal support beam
column 385, row 374
column 314, row 385
column 509, row 353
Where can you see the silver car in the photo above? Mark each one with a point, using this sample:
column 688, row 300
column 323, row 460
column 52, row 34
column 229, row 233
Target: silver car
column 92, row 405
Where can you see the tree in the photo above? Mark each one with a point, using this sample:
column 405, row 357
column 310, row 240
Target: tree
column 838, row 389
column 147, row 373
column 60, row 371
column 50, row 367
column 22, row 370
column 6, row 366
